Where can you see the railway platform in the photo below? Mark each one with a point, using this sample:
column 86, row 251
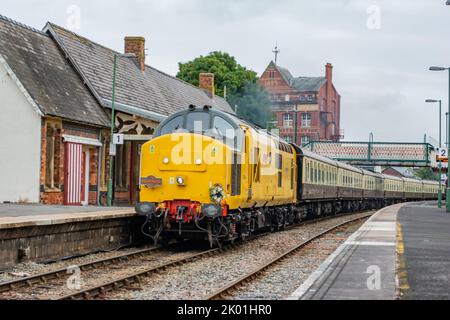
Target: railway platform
column 401, row 252
column 18, row 215
column 41, row 233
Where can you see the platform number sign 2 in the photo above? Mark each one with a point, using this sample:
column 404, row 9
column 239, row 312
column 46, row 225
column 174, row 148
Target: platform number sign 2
column 442, row 154
column 118, row 138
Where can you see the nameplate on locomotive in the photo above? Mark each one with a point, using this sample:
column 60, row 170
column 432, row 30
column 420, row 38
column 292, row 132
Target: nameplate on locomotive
column 151, row 182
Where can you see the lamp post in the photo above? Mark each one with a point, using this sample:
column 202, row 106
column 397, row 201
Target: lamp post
column 446, row 128
column 111, row 157
column 447, row 193
column 440, row 146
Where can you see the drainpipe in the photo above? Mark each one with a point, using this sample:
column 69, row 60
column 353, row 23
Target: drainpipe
column 99, row 169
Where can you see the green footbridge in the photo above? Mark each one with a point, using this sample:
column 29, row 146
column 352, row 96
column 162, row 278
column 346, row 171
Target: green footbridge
column 398, row 154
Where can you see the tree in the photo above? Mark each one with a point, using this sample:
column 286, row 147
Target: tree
column 426, row 174
column 242, row 89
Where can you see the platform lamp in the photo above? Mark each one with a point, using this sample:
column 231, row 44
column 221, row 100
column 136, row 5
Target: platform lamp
column 447, row 193
column 440, row 146
column 113, row 117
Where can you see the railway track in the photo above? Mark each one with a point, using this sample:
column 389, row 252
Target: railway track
column 127, row 281
column 43, row 278
column 236, row 285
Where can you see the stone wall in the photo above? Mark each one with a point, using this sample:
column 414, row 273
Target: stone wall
column 44, row 243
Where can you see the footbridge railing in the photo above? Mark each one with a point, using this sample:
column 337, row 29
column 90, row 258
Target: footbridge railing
column 402, row 154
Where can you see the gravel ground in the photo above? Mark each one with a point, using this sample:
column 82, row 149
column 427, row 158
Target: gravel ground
column 88, row 278
column 201, row 278
column 279, row 281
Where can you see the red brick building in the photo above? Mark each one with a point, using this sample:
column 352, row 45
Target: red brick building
column 306, row 108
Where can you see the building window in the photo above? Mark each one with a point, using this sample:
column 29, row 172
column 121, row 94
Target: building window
column 310, row 97
column 288, row 139
column 287, row 98
column 305, row 140
column 302, row 98
column 306, row 120
column 50, row 158
column 323, row 106
column 287, row 120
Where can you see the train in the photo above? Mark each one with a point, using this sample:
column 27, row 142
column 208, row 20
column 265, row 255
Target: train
column 207, row 174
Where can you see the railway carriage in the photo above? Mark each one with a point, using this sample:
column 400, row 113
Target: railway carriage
column 210, row 175
column 320, row 177
column 350, row 186
column 430, row 189
column 394, row 189
column 413, row 189
column 373, row 188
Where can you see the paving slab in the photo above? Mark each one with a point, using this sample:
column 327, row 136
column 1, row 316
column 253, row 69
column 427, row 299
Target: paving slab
column 426, row 254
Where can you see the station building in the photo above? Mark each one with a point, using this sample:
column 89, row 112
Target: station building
column 306, row 108
column 56, row 89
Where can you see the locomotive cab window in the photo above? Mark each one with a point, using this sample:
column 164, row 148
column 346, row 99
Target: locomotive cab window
column 173, row 125
column 223, row 127
column 197, row 122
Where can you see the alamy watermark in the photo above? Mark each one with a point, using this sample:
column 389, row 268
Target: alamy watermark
column 74, row 280
column 73, row 21
column 374, row 17
column 374, row 280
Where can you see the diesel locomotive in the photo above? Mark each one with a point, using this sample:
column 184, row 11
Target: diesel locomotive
column 209, row 175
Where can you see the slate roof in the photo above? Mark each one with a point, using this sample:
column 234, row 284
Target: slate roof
column 302, row 84
column 47, row 76
column 305, row 84
column 150, row 90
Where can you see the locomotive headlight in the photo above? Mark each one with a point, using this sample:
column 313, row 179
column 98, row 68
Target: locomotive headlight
column 198, row 161
column 180, row 181
column 166, row 160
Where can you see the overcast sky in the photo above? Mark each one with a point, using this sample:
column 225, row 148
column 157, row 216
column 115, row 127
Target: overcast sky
column 380, row 49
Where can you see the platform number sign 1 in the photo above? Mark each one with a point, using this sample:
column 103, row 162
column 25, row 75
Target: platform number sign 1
column 118, row 138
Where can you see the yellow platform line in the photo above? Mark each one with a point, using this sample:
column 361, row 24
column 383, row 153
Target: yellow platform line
column 402, row 276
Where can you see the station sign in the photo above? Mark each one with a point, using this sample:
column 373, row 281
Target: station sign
column 118, row 138
column 439, row 156
column 442, row 154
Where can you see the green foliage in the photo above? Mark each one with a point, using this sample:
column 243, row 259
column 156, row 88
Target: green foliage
column 426, row 174
column 242, row 89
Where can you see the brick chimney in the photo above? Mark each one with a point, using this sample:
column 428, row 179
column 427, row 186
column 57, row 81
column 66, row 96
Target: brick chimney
column 329, row 72
column 206, row 81
column 136, row 45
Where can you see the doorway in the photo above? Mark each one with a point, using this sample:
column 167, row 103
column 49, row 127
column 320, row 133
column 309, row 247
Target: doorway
column 135, row 171
column 85, row 165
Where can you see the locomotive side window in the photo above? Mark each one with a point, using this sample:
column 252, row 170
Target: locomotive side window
column 223, row 127
column 174, row 124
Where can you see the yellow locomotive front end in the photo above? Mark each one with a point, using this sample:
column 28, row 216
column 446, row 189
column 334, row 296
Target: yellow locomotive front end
column 208, row 175
column 186, row 181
